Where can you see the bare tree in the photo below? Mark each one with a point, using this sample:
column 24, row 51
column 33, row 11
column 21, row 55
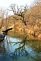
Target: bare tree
column 13, row 8
column 19, row 11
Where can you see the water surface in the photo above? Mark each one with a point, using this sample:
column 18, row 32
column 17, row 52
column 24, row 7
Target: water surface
column 10, row 54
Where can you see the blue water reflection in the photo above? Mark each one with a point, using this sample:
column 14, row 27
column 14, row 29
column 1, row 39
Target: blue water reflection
column 12, row 55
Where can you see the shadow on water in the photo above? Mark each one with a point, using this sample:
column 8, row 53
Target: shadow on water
column 11, row 54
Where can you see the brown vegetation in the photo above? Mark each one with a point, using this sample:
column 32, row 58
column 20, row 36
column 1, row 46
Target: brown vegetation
column 32, row 18
column 28, row 25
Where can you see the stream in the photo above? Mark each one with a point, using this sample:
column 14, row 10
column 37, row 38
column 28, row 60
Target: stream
column 10, row 51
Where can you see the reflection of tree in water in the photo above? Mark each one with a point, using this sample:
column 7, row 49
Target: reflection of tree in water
column 21, row 51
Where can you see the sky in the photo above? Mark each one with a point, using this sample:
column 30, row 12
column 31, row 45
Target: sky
column 6, row 3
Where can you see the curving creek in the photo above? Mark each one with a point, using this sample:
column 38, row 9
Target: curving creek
column 8, row 55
